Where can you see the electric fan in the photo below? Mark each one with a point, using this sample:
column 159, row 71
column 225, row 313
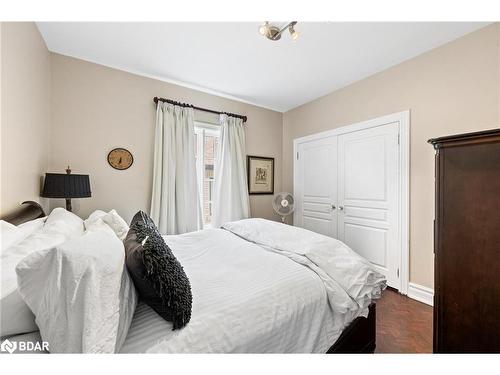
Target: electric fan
column 283, row 204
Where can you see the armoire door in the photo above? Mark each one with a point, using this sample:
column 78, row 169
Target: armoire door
column 316, row 187
column 368, row 196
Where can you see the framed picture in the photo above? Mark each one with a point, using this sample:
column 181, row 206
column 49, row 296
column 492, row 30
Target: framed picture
column 260, row 175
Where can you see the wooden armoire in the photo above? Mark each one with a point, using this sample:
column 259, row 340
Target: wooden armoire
column 467, row 243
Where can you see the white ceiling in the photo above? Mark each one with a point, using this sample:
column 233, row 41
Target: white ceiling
column 234, row 60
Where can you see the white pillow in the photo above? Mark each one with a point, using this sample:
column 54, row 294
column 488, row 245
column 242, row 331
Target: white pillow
column 32, row 226
column 115, row 222
column 15, row 316
column 99, row 224
column 93, row 217
column 80, row 293
column 11, row 234
column 73, row 223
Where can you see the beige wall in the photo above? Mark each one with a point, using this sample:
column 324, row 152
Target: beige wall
column 451, row 89
column 95, row 109
column 92, row 109
column 25, row 113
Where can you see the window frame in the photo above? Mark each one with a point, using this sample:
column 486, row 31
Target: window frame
column 202, row 129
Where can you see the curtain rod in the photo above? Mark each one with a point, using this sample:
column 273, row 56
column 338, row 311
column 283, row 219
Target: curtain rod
column 157, row 99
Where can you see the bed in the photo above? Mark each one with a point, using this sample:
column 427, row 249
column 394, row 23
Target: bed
column 246, row 299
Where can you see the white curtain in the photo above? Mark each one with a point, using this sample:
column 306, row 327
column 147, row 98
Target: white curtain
column 175, row 205
column 230, row 200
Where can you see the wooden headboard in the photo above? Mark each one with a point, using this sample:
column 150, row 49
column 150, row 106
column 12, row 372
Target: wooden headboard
column 28, row 210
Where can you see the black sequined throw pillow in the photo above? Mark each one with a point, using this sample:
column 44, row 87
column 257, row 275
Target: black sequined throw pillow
column 157, row 274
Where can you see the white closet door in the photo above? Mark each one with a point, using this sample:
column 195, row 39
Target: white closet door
column 316, row 186
column 368, row 196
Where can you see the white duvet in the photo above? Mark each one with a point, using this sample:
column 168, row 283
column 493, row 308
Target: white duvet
column 350, row 280
column 249, row 298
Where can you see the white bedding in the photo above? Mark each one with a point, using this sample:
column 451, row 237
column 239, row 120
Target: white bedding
column 246, row 299
column 80, row 293
column 350, row 280
column 57, row 228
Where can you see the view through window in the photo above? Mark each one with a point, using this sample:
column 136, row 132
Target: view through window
column 207, row 140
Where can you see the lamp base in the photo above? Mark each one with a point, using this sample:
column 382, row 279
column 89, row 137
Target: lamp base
column 68, row 205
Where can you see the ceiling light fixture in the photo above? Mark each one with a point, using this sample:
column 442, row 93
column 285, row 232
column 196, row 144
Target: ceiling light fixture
column 273, row 32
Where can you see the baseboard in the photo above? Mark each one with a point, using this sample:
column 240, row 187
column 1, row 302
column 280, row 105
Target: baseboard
column 421, row 293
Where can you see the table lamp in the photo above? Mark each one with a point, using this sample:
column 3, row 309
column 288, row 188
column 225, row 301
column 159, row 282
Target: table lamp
column 67, row 186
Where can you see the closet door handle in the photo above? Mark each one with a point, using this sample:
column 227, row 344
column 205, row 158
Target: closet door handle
column 333, row 207
column 341, row 208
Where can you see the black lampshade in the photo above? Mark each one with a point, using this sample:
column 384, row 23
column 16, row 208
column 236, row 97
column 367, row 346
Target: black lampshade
column 59, row 185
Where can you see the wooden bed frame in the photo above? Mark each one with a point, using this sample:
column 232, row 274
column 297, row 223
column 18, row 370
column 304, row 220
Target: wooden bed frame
column 28, row 210
column 357, row 338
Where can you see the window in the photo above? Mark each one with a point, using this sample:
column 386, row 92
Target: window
column 207, row 141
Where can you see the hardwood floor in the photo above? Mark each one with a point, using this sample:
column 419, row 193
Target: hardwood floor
column 403, row 325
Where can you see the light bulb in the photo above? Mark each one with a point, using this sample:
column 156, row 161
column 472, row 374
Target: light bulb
column 263, row 29
column 294, row 33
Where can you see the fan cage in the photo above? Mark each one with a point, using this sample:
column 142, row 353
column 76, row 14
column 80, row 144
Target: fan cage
column 278, row 206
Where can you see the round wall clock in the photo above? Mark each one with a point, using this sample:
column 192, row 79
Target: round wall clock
column 120, row 158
